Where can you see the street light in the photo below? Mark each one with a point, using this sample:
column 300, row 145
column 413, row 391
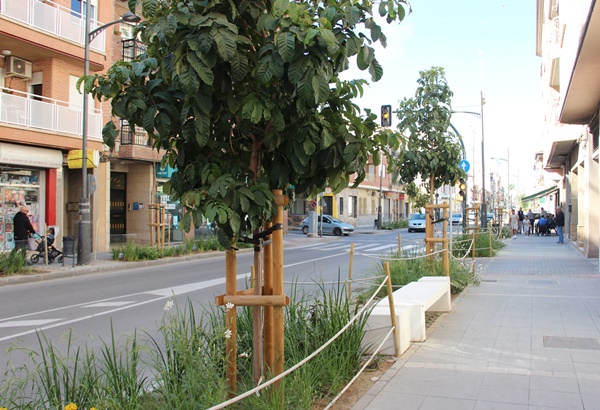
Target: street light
column 84, row 249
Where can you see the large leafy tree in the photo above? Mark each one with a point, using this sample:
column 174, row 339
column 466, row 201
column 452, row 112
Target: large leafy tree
column 432, row 151
column 245, row 97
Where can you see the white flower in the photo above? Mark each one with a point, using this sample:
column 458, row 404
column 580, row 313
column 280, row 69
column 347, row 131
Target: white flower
column 229, row 306
column 168, row 305
column 228, row 333
column 244, row 354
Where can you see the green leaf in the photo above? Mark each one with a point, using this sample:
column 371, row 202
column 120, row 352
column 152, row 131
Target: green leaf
column 264, row 70
column 375, row 70
column 202, row 125
column 239, row 66
column 352, row 15
column 204, row 72
column 148, row 119
column 320, row 87
column 297, row 69
column 148, row 8
column 225, row 42
column 364, row 57
column 186, row 221
column 330, row 40
column 188, row 80
column 109, row 134
column 280, row 7
column 285, row 42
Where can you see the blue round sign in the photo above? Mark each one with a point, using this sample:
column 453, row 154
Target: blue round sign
column 464, row 165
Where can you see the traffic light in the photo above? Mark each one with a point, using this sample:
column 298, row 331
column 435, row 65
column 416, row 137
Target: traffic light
column 386, row 115
column 462, row 188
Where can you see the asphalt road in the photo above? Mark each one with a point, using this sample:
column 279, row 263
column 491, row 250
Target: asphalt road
column 134, row 299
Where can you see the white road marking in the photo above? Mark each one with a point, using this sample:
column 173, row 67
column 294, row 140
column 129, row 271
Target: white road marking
column 109, row 304
column 23, row 323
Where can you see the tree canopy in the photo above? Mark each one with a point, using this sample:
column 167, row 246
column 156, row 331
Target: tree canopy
column 245, row 97
column 432, row 152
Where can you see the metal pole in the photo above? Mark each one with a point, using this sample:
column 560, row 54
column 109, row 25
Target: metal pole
column 483, row 204
column 84, row 254
column 379, row 210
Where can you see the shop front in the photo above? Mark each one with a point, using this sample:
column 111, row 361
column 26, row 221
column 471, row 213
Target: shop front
column 28, row 176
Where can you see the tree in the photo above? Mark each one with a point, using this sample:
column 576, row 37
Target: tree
column 431, row 152
column 245, row 97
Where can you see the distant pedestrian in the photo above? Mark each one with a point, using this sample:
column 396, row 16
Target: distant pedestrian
column 521, row 218
column 526, row 227
column 543, row 213
column 514, row 223
column 531, row 217
column 22, row 228
column 542, row 226
column 560, row 224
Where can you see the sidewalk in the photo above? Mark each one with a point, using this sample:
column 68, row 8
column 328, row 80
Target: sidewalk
column 526, row 338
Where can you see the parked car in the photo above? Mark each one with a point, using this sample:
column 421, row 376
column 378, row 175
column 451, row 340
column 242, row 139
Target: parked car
column 416, row 223
column 457, row 219
column 331, row 226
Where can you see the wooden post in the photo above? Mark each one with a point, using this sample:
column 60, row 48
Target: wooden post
column 399, row 244
column 490, row 236
column 231, row 323
column 390, row 291
column 445, row 254
column 474, row 245
column 268, row 310
column 257, row 320
column 278, row 342
column 349, row 284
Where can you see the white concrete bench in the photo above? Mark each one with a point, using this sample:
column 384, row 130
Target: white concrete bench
column 430, row 293
column 379, row 324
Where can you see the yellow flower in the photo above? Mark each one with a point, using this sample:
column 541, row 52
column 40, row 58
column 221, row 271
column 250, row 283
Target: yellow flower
column 3, row 408
column 93, row 408
column 71, row 406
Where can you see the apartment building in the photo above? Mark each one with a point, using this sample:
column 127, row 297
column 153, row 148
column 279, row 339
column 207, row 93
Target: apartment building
column 568, row 33
column 41, row 60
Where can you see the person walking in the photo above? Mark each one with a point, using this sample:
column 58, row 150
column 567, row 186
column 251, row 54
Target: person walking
column 531, row 217
column 526, row 227
column 514, row 223
column 22, row 228
column 521, row 218
column 560, row 224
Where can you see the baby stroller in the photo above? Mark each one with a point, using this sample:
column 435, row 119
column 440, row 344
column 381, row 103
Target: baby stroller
column 40, row 250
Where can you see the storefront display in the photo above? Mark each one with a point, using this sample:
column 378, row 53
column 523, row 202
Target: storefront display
column 18, row 188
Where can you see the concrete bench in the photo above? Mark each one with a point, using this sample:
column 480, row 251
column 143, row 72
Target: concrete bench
column 379, row 324
column 430, row 293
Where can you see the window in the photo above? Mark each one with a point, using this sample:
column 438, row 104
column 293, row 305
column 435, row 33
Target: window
column 341, row 212
column 352, row 206
column 78, row 8
column 298, row 207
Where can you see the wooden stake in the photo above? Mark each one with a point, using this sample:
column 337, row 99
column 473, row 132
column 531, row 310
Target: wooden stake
column 257, row 320
column 445, row 254
column 268, row 310
column 390, row 291
column 231, row 323
column 278, row 329
column 351, row 263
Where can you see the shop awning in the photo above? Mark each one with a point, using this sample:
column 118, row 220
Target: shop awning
column 540, row 194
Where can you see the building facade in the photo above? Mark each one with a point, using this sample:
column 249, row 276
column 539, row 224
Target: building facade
column 41, row 61
column 567, row 39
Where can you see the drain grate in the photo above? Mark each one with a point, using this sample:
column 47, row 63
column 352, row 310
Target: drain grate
column 542, row 282
column 572, row 342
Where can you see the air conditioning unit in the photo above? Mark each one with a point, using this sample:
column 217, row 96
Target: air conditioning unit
column 17, row 67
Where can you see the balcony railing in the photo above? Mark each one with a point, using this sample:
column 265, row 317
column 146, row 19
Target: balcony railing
column 34, row 111
column 137, row 136
column 132, row 48
column 52, row 18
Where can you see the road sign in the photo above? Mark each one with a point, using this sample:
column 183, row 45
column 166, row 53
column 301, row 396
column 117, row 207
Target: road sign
column 464, row 165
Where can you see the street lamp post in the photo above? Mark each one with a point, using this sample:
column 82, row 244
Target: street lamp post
column 84, row 249
column 507, row 175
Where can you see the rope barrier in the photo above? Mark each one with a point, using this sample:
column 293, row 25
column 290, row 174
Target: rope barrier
column 397, row 259
column 362, row 369
column 302, row 362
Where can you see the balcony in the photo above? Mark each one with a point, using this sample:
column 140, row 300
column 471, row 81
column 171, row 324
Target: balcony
column 137, row 136
column 54, row 19
column 34, row 111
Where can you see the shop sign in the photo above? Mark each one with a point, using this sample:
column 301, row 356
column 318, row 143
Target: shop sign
column 30, row 156
column 392, row 195
column 401, row 197
column 164, row 172
column 74, row 158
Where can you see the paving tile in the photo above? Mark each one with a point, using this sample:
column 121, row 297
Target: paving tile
column 591, row 401
column 555, row 399
column 501, row 394
column 386, row 401
column 437, row 403
column 558, row 384
column 488, row 405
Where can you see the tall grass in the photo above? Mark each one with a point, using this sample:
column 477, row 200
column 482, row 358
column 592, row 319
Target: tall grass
column 482, row 244
column 12, row 262
column 186, row 364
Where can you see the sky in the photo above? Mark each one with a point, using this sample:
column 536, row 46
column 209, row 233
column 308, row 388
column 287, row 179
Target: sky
column 484, row 46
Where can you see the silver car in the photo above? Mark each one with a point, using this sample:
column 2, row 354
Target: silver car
column 330, row 226
column 416, row 223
